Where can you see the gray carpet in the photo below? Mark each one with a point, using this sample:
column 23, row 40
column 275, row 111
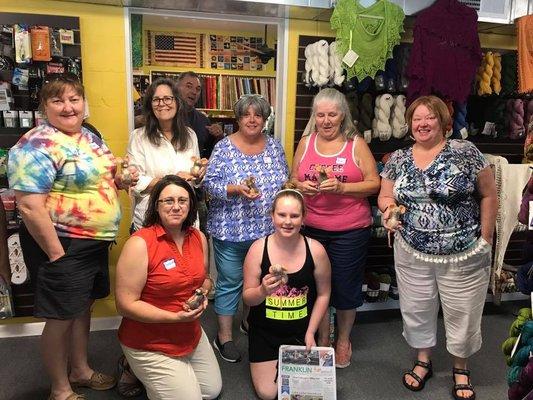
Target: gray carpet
column 380, row 355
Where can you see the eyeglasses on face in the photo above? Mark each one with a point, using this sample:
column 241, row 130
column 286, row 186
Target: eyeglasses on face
column 169, row 202
column 166, row 100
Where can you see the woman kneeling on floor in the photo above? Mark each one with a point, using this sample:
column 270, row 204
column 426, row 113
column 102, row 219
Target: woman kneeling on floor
column 161, row 266
column 443, row 247
column 303, row 270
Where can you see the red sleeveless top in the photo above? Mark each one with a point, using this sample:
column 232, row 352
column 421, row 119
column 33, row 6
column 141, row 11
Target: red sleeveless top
column 171, row 280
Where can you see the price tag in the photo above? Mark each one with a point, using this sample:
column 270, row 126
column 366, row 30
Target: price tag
column 350, row 58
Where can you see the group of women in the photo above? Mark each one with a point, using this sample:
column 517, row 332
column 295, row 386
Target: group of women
column 66, row 184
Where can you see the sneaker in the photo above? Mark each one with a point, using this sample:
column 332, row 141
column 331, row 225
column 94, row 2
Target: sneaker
column 343, row 355
column 243, row 328
column 228, row 351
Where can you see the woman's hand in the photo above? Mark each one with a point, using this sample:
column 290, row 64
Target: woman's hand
column 331, row 185
column 309, row 340
column 243, row 191
column 385, row 219
column 186, row 176
column 191, row 315
column 127, row 178
column 270, row 283
column 307, row 188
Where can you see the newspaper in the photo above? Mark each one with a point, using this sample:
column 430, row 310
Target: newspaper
column 306, row 375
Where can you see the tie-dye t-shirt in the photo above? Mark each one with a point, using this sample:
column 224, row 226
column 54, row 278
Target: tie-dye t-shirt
column 76, row 173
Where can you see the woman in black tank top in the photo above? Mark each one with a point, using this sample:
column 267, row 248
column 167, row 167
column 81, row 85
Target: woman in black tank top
column 287, row 286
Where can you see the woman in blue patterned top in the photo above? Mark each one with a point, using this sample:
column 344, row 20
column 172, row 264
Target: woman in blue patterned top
column 239, row 213
column 443, row 245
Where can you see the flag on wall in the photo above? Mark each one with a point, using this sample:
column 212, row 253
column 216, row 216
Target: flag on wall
column 175, row 49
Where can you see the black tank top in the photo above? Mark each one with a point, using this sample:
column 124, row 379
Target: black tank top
column 286, row 312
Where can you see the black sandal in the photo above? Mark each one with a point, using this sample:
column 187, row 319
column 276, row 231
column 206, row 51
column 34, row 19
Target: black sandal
column 413, row 374
column 462, row 386
column 127, row 389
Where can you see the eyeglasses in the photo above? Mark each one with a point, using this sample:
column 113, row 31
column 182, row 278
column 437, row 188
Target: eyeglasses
column 169, row 202
column 167, row 100
column 66, row 77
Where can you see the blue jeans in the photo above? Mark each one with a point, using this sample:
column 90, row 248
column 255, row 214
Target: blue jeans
column 347, row 252
column 229, row 258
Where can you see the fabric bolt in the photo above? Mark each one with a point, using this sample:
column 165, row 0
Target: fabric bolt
column 172, row 277
column 77, row 175
column 446, row 51
column 229, row 259
column 347, row 253
column 284, row 313
column 348, row 212
column 198, row 122
column 155, row 162
column 443, row 216
column 65, row 288
column 236, row 218
column 195, row 376
column 462, row 289
column 525, row 53
column 371, row 32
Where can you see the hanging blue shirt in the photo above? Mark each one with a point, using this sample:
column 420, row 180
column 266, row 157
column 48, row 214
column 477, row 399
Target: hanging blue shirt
column 443, row 216
column 236, row 218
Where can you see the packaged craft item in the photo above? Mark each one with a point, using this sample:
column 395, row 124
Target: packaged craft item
column 198, row 164
column 280, row 272
column 6, row 300
column 250, row 182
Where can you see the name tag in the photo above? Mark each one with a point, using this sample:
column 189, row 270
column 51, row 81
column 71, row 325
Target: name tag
column 169, row 264
column 267, row 160
column 340, row 160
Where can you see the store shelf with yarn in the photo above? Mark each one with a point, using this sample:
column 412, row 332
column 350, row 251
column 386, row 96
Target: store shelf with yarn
column 492, row 117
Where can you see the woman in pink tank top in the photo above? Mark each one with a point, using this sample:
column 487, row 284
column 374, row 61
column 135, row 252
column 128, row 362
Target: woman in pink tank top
column 335, row 170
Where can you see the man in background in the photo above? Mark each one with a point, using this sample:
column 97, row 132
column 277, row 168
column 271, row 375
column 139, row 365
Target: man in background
column 208, row 134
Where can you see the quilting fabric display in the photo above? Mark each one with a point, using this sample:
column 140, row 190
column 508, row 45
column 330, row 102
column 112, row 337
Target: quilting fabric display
column 446, row 52
column 371, row 32
column 525, row 54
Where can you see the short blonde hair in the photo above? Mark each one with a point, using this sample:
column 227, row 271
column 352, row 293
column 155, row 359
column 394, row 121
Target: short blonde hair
column 55, row 86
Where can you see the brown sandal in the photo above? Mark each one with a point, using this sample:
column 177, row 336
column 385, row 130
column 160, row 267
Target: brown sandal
column 127, row 389
column 98, row 381
column 73, row 396
column 462, row 386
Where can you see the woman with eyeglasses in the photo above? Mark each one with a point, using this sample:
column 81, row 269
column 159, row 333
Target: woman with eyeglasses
column 164, row 145
column 245, row 171
column 160, row 267
column 66, row 188
column 442, row 249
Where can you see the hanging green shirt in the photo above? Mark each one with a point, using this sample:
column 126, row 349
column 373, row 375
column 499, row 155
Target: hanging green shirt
column 372, row 32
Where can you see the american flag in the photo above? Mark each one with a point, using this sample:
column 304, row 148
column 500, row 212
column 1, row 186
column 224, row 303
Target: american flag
column 176, row 49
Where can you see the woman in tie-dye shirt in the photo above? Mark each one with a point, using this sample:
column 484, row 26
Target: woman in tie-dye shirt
column 66, row 189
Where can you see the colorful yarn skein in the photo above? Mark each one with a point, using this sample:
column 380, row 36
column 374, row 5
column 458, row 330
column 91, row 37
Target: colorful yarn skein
column 460, row 126
column 496, row 74
column 515, row 118
column 484, row 74
column 366, row 112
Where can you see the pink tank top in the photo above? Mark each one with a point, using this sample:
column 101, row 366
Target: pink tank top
column 328, row 211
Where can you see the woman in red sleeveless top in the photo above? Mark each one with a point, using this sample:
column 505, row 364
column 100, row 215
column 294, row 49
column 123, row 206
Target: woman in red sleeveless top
column 159, row 269
column 335, row 170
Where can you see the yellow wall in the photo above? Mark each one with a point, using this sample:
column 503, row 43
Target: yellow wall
column 104, row 77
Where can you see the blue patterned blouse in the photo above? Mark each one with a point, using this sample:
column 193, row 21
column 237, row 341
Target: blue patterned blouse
column 442, row 216
column 236, row 218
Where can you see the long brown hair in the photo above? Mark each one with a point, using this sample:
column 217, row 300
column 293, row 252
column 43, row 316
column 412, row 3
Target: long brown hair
column 180, row 132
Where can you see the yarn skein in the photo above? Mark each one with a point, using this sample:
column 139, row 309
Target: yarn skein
column 366, row 113
column 384, row 106
column 460, row 126
column 317, row 63
column 375, row 133
column 486, row 74
column 399, row 126
column 496, row 74
column 335, row 65
column 516, row 118
column 353, row 104
column 308, row 64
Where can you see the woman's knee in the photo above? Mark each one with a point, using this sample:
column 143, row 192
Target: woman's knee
column 212, row 391
column 266, row 391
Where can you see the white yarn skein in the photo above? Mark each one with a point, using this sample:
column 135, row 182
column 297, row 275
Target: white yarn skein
column 397, row 121
column 384, row 111
column 375, row 133
column 308, row 52
column 335, row 65
column 322, row 61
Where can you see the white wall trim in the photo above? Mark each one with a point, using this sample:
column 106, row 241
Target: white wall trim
column 36, row 328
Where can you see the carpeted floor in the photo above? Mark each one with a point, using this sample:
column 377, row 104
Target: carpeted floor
column 380, row 356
